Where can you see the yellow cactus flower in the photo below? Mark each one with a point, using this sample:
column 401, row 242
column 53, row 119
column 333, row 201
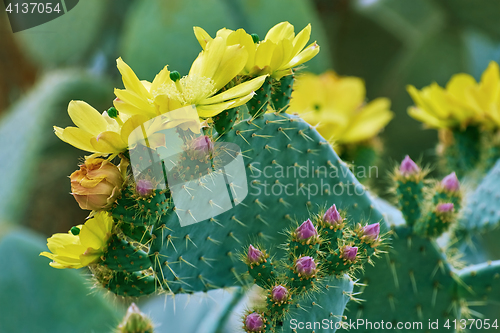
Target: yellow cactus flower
column 96, row 132
column 209, row 73
column 487, row 95
column 462, row 103
column 82, row 245
column 276, row 55
column 337, row 106
column 102, row 134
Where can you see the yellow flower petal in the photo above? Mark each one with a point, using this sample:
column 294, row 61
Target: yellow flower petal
column 232, row 63
column 264, row 54
column 86, row 117
column 77, row 138
column 131, row 103
column 237, row 91
column 310, row 52
column 108, row 142
column 130, row 80
column 300, row 41
column 283, row 30
column 202, row 36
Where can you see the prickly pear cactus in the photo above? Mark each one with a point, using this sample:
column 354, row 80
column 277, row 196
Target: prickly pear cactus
column 283, row 187
column 322, row 254
column 417, row 284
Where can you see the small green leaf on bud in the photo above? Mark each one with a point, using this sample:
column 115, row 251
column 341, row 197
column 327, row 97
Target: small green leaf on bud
column 255, row 38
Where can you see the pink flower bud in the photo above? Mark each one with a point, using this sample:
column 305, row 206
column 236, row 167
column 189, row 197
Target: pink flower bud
column 372, row 231
column 254, row 255
column 305, row 266
column 332, row 216
column 306, row 230
column 450, row 183
column 144, row 187
column 445, row 208
column 254, row 322
column 279, row 293
column 408, row 167
column 201, row 147
column 350, row 252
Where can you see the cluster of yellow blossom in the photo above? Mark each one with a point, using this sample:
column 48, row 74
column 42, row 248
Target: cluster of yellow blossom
column 230, row 56
column 462, row 103
column 336, row 106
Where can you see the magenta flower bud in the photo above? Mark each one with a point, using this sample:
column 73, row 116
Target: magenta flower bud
column 254, row 322
column 332, row 216
column 450, row 183
column 254, row 255
column 305, row 266
column 408, row 167
column 280, row 293
column 201, row 146
column 372, row 231
column 350, row 253
column 445, row 208
column 144, row 187
column 306, row 230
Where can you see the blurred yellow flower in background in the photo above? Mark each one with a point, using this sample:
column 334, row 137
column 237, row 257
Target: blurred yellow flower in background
column 82, row 245
column 336, row 105
column 462, row 103
column 279, row 52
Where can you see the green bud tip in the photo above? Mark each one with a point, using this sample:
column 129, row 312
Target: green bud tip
column 112, row 112
column 255, row 38
column 75, row 231
column 175, row 76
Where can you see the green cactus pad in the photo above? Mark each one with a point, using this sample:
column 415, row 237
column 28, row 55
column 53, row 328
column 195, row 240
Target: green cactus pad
column 413, row 283
column 262, row 273
column 482, row 211
column 326, row 307
column 226, row 120
column 281, row 93
column 130, row 284
column 434, row 224
column 463, row 153
column 480, row 287
column 132, row 208
column 124, row 256
column 258, row 105
column 409, row 196
column 204, row 256
column 139, row 233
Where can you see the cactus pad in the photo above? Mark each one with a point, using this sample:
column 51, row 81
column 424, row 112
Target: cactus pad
column 290, row 170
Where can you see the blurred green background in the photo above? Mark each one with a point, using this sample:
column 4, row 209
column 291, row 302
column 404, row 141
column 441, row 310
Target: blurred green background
column 389, row 43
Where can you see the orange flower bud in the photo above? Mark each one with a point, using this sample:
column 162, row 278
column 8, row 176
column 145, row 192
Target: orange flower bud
column 97, row 184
